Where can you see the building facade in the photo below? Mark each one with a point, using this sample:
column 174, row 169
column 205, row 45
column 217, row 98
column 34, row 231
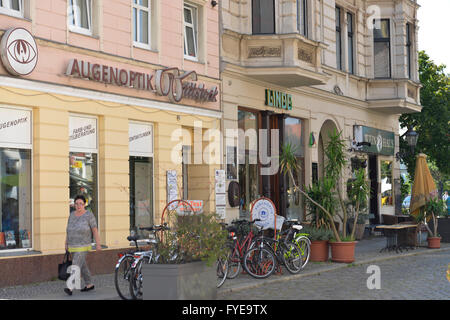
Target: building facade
column 102, row 98
column 300, row 69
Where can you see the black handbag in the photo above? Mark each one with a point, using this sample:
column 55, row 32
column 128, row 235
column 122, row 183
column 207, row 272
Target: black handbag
column 62, row 267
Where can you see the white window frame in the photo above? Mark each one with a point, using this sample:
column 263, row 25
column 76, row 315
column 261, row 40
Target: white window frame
column 5, row 8
column 74, row 27
column 148, row 9
column 194, row 25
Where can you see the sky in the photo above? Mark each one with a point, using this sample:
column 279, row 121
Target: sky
column 434, row 30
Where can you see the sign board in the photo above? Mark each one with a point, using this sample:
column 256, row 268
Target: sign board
column 381, row 142
column 278, row 99
column 19, row 52
column 140, row 136
column 82, row 133
column 221, row 201
column 172, row 187
column 15, row 126
column 264, row 209
column 196, row 205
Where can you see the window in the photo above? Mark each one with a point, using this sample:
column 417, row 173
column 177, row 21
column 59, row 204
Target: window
column 263, row 17
column 190, row 32
column 140, row 136
column 83, row 168
column 15, row 179
column 80, row 19
column 302, row 17
column 141, row 22
column 386, row 183
column 12, row 7
column 381, row 48
column 339, row 64
column 248, row 160
column 350, row 42
column 408, row 49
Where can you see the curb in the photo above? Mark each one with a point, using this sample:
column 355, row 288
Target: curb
column 316, row 272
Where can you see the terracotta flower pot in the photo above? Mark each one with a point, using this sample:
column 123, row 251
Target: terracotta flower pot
column 343, row 251
column 434, row 242
column 319, row 251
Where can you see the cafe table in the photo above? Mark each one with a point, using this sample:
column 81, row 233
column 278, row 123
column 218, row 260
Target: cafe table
column 397, row 236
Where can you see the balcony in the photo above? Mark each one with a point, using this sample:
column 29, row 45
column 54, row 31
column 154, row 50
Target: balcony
column 288, row 60
column 394, row 96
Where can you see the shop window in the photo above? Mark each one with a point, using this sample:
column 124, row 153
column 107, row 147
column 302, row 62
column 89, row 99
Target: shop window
column 387, row 195
column 15, row 179
column 382, row 47
column 80, row 16
column 294, row 135
column 263, row 16
column 83, row 162
column 248, row 160
column 141, row 177
column 12, row 7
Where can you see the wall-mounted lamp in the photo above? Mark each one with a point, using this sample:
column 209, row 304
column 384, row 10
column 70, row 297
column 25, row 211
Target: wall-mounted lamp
column 411, row 138
column 213, row 3
column 357, row 146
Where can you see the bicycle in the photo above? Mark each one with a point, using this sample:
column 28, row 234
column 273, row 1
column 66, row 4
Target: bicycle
column 239, row 246
column 123, row 267
column 151, row 256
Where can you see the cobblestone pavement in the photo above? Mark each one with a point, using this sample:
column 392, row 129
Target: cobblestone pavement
column 410, row 277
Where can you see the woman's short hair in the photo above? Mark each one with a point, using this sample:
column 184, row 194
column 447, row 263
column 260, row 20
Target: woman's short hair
column 81, row 197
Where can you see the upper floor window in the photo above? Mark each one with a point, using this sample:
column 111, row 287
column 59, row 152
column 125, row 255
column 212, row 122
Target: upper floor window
column 141, row 22
column 381, row 48
column 350, row 42
column 263, row 16
column 190, row 14
column 80, row 18
column 409, row 49
column 339, row 64
column 12, row 7
column 302, row 17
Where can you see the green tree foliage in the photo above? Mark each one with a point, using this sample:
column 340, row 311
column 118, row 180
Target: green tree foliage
column 433, row 122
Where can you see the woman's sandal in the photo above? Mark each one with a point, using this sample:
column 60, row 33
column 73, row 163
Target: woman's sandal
column 87, row 289
column 68, row 291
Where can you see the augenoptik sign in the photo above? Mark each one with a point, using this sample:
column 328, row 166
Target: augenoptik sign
column 170, row 82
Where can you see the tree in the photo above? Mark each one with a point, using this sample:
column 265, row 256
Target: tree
column 432, row 123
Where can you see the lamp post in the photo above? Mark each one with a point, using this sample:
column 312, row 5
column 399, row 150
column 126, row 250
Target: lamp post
column 411, row 138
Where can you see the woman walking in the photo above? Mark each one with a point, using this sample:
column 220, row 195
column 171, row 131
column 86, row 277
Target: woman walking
column 80, row 228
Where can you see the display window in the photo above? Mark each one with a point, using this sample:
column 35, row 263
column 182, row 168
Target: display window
column 83, row 161
column 141, row 177
column 15, row 179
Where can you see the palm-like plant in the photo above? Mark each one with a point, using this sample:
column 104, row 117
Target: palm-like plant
column 360, row 190
column 289, row 165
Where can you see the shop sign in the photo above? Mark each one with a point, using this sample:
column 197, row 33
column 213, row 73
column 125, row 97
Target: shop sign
column 140, row 137
column 264, row 209
column 15, row 126
column 278, row 99
column 83, row 133
column 381, row 142
column 196, row 205
column 18, row 51
column 170, row 82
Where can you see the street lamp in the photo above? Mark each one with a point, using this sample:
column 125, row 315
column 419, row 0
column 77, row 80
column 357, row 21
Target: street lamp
column 411, row 138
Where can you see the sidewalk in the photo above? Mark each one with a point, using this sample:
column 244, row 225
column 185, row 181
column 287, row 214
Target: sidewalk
column 367, row 251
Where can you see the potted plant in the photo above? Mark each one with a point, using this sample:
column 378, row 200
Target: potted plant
column 319, row 243
column 434, row 207
column 358, row 190
column 185, row 269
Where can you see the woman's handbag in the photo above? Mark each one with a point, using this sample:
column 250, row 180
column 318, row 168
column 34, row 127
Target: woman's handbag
column 62, row 267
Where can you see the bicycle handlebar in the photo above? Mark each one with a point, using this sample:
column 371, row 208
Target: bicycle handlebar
column 156, row 228
column 243, row 221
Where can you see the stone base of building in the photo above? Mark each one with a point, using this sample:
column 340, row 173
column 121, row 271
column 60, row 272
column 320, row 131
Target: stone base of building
column 24, row 270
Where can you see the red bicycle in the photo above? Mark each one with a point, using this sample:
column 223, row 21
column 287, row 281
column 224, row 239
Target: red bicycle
column 239, row 247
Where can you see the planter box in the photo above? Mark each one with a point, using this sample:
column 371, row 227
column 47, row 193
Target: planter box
column 189, row 281
column 443, row 228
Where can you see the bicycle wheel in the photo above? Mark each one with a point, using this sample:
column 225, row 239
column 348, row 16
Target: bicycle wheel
column 122, row 275
column 259, row 262
column 222, row 271
column 137, row 280
column 304, row 245
column 234, row 264
column 292, row 257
